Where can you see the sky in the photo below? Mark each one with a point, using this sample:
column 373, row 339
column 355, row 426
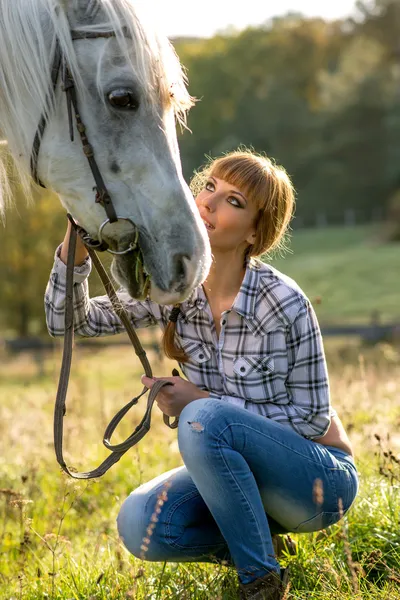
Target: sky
column 205, row 17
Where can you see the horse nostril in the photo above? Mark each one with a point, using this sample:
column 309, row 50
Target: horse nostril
column 180, row 269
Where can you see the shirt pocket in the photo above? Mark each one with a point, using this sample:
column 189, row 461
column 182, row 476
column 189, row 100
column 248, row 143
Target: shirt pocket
column 254, row 366
column 197, row 352
column 253, row 378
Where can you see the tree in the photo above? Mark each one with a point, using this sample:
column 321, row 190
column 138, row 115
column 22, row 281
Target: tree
column 27, row 243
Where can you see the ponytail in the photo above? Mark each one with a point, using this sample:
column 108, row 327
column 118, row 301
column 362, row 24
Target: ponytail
column 170, row 348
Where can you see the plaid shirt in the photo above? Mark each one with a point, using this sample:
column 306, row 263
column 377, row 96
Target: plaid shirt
column 269, row 357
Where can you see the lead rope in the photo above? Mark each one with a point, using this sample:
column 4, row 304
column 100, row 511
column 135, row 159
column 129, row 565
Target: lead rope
column 117, row 450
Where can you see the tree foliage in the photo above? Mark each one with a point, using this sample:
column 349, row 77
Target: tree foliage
column 28, row 240
column 321, row 98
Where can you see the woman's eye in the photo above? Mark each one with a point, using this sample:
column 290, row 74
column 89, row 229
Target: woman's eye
column 234, row 201
column 210, row 186
column 123, row 98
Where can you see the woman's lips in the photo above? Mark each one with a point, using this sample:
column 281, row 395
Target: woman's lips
column 208, row 225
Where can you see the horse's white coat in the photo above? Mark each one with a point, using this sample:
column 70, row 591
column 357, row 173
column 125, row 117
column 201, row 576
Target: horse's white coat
column 136, row 151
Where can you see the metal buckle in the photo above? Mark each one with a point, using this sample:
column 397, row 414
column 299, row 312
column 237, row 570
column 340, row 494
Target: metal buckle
column 132, row 246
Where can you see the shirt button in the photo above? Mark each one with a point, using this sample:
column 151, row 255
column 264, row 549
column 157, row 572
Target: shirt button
column 242, row 369
column 224, row 322
column 265, row 368
column 201, row 356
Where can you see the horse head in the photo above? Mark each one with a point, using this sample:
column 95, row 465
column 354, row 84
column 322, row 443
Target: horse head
column 130, row 90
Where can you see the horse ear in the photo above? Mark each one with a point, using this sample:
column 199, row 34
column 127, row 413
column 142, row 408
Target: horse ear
column 85, row 12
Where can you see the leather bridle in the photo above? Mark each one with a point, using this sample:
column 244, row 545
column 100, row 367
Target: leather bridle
column 103, row 198
column 102, row 195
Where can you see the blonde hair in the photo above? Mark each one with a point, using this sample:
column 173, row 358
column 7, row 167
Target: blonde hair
column 267, row 186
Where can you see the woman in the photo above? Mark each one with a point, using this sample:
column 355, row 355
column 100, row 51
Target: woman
column 263, row 450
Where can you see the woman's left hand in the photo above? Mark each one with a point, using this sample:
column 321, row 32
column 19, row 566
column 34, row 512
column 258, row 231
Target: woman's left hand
column 172, row 399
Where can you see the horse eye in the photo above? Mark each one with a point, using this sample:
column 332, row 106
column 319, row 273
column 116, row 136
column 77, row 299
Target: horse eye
column 123, row 99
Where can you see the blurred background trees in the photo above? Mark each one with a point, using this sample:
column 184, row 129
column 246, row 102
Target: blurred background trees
column 321, row 98
column 27, row 246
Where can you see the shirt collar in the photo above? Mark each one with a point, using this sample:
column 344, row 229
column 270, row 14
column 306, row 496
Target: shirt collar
column 244, row 303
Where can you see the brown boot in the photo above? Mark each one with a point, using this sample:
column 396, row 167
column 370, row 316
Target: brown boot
column 268, row 587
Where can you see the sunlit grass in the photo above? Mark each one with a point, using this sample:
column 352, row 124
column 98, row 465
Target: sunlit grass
column 58, row 537
column 351, row 271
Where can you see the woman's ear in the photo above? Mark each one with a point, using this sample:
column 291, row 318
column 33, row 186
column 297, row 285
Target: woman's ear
column 251, row 238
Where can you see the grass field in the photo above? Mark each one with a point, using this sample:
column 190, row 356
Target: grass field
column 58, row 537
column 350, row 270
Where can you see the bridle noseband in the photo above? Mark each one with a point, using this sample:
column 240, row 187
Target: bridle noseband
column 102, row 195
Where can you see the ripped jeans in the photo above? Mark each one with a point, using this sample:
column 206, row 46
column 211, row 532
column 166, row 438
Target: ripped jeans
column 245, row 478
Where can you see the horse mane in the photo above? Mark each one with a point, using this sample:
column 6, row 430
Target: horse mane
column 28, row 28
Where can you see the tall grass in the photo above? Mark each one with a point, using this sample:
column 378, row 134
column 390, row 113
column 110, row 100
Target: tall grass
column 58, row 537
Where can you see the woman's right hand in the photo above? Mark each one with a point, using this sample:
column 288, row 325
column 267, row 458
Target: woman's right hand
column 81, row 252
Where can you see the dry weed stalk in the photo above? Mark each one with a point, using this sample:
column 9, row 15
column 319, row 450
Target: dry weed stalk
column 162, row 497
column 286, row 592
column 375, row 560
column 389, row 463
column 8, row 494
column 328, row 568
column 20, row 503
column 354, row 567
column 139, row 464
column 17, row 501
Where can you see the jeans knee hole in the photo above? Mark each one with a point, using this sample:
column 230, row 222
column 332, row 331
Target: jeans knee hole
column 196, row 426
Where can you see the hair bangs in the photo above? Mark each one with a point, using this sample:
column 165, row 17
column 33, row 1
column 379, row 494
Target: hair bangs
column 239, row 172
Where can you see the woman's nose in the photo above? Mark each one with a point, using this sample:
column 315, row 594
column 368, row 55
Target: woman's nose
column 210, row 202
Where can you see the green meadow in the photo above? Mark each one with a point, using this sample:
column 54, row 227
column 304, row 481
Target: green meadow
column 351, row 274
column 58, row 536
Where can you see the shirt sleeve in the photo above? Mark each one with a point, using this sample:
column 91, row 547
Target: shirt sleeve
column 93, row 317
column 307, row 382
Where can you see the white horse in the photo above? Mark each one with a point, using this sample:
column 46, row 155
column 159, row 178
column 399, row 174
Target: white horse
column 130, row 89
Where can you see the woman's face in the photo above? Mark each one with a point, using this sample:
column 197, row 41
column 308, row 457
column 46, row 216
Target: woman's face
column 228, row 215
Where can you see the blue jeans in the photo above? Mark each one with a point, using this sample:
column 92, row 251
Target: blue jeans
column 245, row 478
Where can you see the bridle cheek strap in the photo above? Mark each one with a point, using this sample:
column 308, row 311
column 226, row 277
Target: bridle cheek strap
column 59, row 63
column 102, row 195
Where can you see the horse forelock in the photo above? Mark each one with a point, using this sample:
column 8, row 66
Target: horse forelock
column 29, row 28
column 151, row 56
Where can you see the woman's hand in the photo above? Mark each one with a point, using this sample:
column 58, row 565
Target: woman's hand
column 80, row 253
column 336, row 436
column 172, row 399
